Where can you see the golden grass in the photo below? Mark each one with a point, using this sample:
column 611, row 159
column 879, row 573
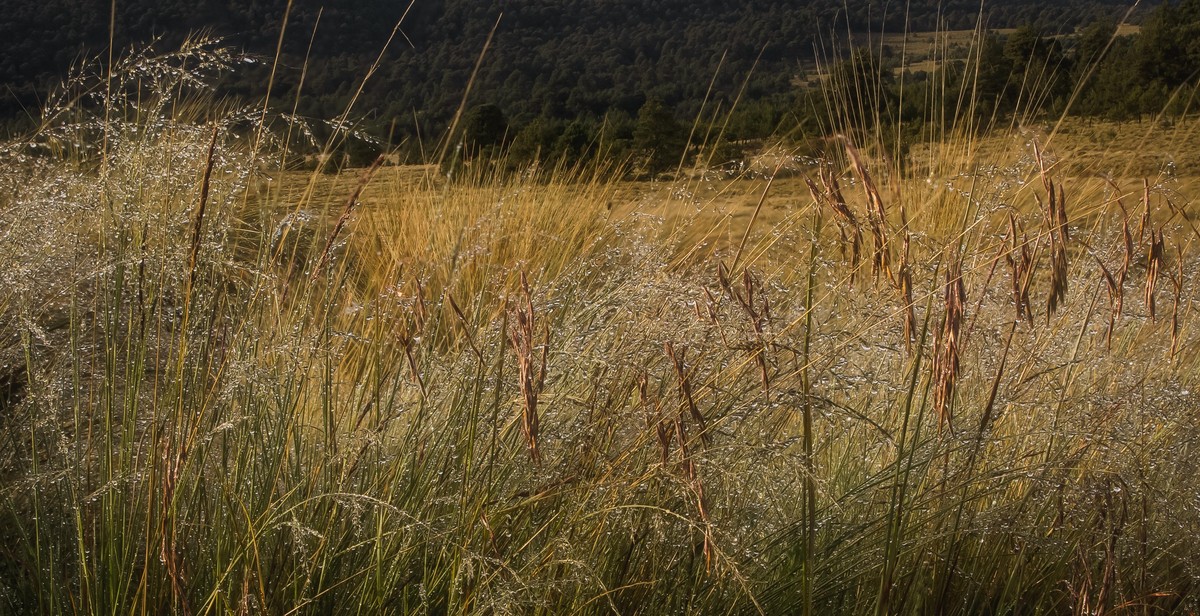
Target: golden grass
column 560, row 392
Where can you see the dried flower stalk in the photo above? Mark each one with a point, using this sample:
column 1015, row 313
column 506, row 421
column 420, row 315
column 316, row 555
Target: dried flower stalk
column 532, row 370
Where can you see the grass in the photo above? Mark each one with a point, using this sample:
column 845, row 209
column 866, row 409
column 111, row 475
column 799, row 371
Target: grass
column 229, row 392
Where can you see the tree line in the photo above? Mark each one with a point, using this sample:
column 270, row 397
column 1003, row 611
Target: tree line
column 572, row 78
column 1026, row 74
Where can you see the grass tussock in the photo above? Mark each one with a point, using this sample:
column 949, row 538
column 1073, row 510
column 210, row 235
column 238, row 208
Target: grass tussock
column 509, row 395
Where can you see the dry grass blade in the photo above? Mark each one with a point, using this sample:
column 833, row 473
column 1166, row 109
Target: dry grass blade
column 198, row 222
column 1113, row 294
column 988, row 418
column 685, row 390
column 1124, row 271
column 1154, row 262
column 169, row 543
column 904, row 286
column 712, row 308
column 1020, row 260
column 876, row 217
column 1177, row 283
column 737, row 256
column 168, row 547
column 1055, row 215
column 723, row 279
column 655, row 421
column 1001, row 251
column 688, row 467
column 947, row 353
column 1127, row 237
column 413, row 367
column 757, row 315
column 347, row 209
column 1145, row 222
column 702, row 509
column 1058, row 274
column 691, row 475
column 832, row 196
column 1116, row 284
column 874, row 201
column 1056, row 218
column 462, row 319
column 1060, row 213
column 420, row 311
column 532, row 376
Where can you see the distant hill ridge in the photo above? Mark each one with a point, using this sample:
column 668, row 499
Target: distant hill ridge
column 563, row 58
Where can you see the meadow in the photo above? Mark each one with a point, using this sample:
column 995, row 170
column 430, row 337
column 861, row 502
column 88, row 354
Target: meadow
column 818, row 385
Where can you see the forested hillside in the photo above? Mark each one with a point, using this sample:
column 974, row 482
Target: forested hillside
column 557, row 59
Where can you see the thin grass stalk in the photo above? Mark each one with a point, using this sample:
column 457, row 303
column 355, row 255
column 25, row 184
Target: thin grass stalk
column 809, row 509
column 1177, row 283
column 753, row 217
column 258, row 134
column 497, row 388
column 466, row 328
column 897, row 510
column 985, row 422
column 458, row 113
column 178, row 444
column 1064, row 387
column 39, row 554
column 343, row 119
column 983, row 292
column 691, row 474
column 700, row 113
column 347, row 209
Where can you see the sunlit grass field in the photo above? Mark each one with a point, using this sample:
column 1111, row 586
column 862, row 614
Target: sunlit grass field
column 836, row 386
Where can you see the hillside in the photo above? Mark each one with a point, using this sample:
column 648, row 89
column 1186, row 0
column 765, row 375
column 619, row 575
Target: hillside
column 565, row 59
